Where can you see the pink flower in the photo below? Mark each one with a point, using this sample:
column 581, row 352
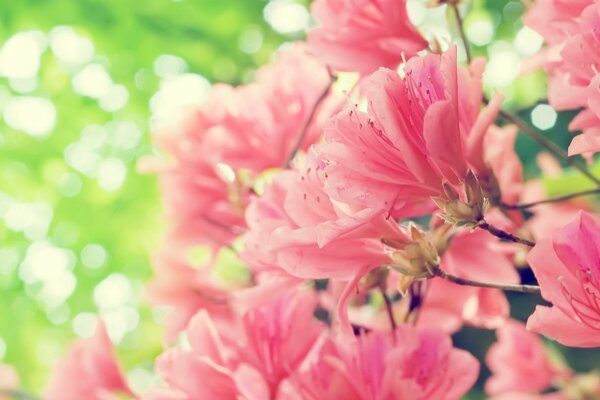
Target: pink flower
column 187, row 290
column 567, row 269
column 420, row 131
column 297, row 227
column 363, row 35
column 248, row 360
column 89, row 371
column 572, row 28
column 555, row 20
column 219, row 149
column 519, row 362
column 9, row 379
column 415, row 365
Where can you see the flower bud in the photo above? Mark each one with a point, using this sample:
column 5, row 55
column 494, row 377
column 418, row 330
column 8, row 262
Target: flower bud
column 416, row 260
column 468, row 213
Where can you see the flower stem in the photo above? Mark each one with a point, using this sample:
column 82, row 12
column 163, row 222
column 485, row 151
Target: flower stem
column 309, row 119
column 467, row 282
column 389, row 309
column 556, row 199
column 499, row 233
column 552, row 147
column 461, row 30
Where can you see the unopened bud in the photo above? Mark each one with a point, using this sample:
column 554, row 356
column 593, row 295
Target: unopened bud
column 416, row 260
column 467, row 213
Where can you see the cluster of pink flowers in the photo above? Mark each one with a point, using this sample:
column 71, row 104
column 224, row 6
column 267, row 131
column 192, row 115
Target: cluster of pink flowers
column 317, row 192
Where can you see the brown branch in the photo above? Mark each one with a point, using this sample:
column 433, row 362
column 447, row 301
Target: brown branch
column 467, row 282
column 551, row 146
column 389, row 308
column 556, row 199
column 307, row 122
column 461, row 29
column 499, row 233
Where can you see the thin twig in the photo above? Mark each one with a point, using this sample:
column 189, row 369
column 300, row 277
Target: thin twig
column 467, row 282
column 389, row 308
column 524, row 206
column 307, row 123
column 551, row 146
column 499, row 233
column 461, row 30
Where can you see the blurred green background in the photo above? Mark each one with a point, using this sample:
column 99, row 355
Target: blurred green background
column 82, row 85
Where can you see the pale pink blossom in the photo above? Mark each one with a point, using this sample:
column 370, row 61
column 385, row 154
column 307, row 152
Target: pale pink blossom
column 297, row 227
column 88, row 371
column 519, row 362
column 363, row 35
column 571, row 28
column 219, row 149
column 9, row 379
column 248, row 360
column 566, row 266
column 186, row 290
column 409, row 364
column 421, row 130
column 555, row 20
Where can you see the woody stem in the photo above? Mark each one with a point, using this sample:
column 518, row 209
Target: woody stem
column 556, row 199
column 499, row 233
column 461, row 30
column 549, row 145
column 389, row 309
column 309, row 119
column 467, row 282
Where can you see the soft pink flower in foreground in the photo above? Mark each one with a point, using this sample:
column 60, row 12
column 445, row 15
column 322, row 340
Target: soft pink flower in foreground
column 415, row 365
column 249, row 360
column 519, row 362
column 573, row 28
column 218, row 150
column 88, row 371
column 567, row 267
column 9, row 379
column 363, row 35
column 420, row 131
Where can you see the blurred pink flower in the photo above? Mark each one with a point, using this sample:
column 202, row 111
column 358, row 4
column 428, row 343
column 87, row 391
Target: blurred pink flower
column 219, row 149
column 409, row 364
column 9, row 380
column 363, row 35
column 555, row 20
column 571, row 29
column 567, row 269
column 420, row 131
column 88, row 371
column 249, row 360
column 187, row 290
column 519, row 362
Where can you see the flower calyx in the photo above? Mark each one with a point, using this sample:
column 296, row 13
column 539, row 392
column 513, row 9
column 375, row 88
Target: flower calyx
column 418, row 259
column 463, row 213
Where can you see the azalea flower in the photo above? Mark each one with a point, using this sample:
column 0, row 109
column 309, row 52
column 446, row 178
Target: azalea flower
column 89, row 371
column 566, row 266
column 363, row 35
column 250, row 359
column 423, row 134
column 409, row 363
column 520, row 363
